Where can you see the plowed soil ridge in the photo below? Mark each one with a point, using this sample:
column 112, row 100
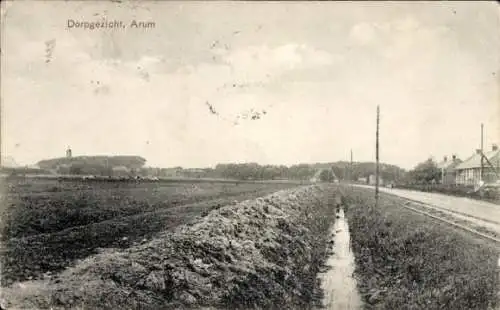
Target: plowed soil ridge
column 262, row 253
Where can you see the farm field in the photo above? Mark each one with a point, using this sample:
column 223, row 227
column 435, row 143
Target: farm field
column 47, row 225
column 235, row 246
column 259, row 253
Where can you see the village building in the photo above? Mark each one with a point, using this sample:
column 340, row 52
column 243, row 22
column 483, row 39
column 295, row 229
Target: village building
column 363, row 180
column 447, row 168
column 469, row 171
column 372, row 180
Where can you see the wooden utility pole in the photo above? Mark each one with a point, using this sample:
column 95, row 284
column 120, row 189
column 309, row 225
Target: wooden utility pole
column 1, row 134
column 350, row 169
column 377, row 157
column 482, row 155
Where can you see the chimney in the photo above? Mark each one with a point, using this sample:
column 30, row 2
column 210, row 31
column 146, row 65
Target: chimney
column 446, row 158
column 478, row 151
column 494, row 147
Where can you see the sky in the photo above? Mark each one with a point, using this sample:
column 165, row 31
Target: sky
column 182, row 93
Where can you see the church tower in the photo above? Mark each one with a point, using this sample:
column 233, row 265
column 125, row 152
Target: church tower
column 68, row 153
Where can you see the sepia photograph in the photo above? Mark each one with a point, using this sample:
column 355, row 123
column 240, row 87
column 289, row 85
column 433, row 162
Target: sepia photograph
column 338, row 155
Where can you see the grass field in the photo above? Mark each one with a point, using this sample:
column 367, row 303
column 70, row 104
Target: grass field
column 409, row 261
column 47, row 225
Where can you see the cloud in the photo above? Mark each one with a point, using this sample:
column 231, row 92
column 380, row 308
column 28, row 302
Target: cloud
column 408, row 23
column 399, row 38
column 254, row 63
column 247, row 75
column 362, row 33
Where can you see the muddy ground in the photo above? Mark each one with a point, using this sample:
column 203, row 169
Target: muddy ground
column 263, row 253
column 48, row 225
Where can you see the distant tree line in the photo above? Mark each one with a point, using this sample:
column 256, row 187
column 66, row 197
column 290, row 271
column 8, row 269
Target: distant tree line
column 107, row 165
column 339, row 170
column 133, row 162
column 389, row 173
column 92, row 165
column 254, row 171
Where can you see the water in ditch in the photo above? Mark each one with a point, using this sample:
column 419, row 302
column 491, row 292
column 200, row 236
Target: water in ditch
column 338, row 283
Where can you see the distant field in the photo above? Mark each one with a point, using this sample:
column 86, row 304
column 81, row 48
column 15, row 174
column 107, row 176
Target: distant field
column 47, row 224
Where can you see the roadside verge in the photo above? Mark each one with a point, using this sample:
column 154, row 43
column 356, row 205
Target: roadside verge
column 406, row 260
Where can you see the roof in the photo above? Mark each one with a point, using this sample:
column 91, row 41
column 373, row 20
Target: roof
column 449, row 164
column 475, row 160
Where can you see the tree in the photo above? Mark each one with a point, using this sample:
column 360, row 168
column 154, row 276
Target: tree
column 75, row 169
column 301, row 172
column 326, row 175
column 108, row 161
column 425, row 173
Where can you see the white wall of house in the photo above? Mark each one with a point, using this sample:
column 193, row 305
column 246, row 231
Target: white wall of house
column 469, row 176
column 372, row 180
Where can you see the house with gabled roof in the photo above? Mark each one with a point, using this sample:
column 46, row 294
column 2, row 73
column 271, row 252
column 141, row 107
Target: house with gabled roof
column 447, row 168
column 469, row 171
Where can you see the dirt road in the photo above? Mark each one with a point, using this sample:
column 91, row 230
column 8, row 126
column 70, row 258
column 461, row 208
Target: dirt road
column 479, row 212
column 476, row 208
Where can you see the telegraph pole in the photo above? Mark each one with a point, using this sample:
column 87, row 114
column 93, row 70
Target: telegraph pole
column 350, row 169
column 1, row 135
column 351, row 174
column 377, row 157
column 482, row 155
